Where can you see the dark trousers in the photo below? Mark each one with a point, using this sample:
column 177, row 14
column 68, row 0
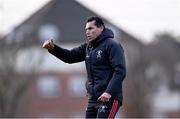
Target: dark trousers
column 97, row 109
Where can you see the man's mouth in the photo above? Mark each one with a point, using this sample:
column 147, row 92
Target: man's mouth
column 88, row 37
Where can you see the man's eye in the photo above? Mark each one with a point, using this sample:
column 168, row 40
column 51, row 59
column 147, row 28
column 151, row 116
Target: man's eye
column 90, row 28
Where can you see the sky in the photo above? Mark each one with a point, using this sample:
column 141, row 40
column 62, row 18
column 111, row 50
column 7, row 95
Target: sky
column 13, row 12
column 141, row 18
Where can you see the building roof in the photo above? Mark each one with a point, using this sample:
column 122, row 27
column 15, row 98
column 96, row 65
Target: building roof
column 62, row 20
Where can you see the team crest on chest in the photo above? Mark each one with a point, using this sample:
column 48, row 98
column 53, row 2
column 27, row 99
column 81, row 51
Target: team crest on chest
column 99, row 53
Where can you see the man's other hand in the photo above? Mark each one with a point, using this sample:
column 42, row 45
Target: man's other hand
column 49, row 45
column 104, row 97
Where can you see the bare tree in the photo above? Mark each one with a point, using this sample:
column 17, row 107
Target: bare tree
column 14, row 82
column 154, row 65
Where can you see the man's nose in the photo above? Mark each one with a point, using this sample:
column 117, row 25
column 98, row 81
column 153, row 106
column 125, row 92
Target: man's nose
column 87, row 32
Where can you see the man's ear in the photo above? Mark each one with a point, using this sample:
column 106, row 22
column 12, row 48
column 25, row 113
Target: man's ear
column 102, row 28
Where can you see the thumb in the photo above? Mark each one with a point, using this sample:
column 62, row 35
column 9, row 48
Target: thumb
column 51, row 40
column 99, row 98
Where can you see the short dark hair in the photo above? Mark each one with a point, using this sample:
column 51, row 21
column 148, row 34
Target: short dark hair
column 98, row 21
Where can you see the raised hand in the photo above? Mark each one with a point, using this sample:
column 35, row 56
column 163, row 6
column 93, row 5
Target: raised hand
column 49, row 45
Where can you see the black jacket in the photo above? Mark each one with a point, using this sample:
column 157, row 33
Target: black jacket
column 105, row 64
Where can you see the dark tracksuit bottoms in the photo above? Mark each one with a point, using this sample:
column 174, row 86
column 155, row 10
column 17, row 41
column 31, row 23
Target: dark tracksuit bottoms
column 98, row 109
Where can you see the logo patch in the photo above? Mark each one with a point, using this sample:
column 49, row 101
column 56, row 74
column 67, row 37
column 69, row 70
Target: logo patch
column 103, row 108
column 99, row 53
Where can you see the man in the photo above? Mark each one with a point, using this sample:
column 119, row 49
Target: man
column 105, row 65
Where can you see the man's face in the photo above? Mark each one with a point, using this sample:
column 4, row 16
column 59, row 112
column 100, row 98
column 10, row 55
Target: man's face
column 92, row 31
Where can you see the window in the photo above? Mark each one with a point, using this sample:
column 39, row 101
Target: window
column 76, row 86
column 48, row 87
column 47, row 31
